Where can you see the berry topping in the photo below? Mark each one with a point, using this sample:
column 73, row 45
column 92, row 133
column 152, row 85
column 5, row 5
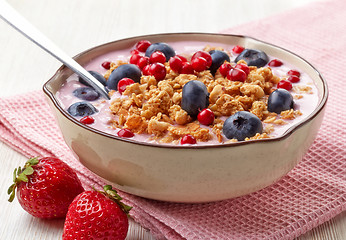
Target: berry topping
column 243, row 67
column 134, row 51
column 285, row 85
column 87, row 120
column 293, row 72
column 158, row 70
column 199, row 64
column 237, row 74
column 182, row 58
column 293, row 79
column 106, row 65
column 123, row 83
column 280, row 100
column 86, row 93
column 188, row 139
column 126, row 133
column 81, row 109
column 45, row 187
column 187, row 68
column 238, row 49
column 143, row 45
column 134, row 58
column 146, row 70
column 242, row 125
column 96, row 75
column 253, row 57
column 142, row 62
column 275, row 63
column 206, row 117
column 176, row 63
column 123, row 71
column 195, row 97
column 161, row 47
column 218, row 58
column 225, row 68
column 157, row 57
column 204, row 55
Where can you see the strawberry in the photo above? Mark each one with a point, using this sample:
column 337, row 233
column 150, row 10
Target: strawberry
column 97, row 215
column 45, row 187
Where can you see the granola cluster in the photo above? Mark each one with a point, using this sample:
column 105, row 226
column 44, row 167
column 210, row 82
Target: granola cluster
column 154, row 107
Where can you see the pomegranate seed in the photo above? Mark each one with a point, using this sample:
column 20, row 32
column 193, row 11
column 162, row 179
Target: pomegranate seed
column 237, row 74
column 182, row 58
column 106, row 65
column 206, row 117
column 87, row 120
column 199, row 64
column 293, row 72
column 225, row 68
column 188, row 139
column 187, row 68
column 157, row 57
column 176, row 63
column 204, row 55
column 123, row 83
column 158, row 70
column 142, row 62
column 243, row 67
column 146, row 70
column 134, row 58
column 293, row 79
column 125, row 133
column 238, row 49
column 275, row 63
column 134, row 51
column 285, row 85
column 143, row 45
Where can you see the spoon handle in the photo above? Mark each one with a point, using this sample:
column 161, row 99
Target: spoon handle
column 13, row 18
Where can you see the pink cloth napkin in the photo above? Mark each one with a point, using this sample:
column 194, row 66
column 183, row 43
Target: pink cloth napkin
column 312, row 193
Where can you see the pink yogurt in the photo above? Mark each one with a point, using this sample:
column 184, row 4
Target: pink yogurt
column 103, row 117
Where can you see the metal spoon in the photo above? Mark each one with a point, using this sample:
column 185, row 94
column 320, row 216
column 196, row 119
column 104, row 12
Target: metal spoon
column 13, row 18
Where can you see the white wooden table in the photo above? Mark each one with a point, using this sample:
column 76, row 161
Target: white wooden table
column 80, row 24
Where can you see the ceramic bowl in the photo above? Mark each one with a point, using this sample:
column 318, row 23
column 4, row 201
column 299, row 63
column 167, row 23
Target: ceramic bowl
column 188, row 173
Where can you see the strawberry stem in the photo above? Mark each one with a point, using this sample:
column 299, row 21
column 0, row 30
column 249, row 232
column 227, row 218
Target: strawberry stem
column 113, row 195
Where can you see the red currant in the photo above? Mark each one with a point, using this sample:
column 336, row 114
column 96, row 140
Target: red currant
column 158, row 70
column 143, row 45
column 238, row 49
column 243, row 67
column 146, row 70
column 199, row 64
column 204, row 55
column 142, row 62
column 275, row 63
column 293, row 79
column 134, row 51
column 182, row 58
column 188, row 139
column 87, row 120
column 225, row 68
column 206, row 117
column 293, row 72
column 237, row 74
column 125, row 133
column 157, row 57
column 187, row 68
column 106, row 65
column 134, row 58
column 176, row 63
column 123, row 83
column 285, row 85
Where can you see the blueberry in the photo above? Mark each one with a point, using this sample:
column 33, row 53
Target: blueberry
column 241, row 125
column 81, row 109
column 253, row 57
column 195, row 97
column 162, row 47
column 123, row 71
column 218, row 58
column 280, row 100
column 86, row 93
column 96, row 75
